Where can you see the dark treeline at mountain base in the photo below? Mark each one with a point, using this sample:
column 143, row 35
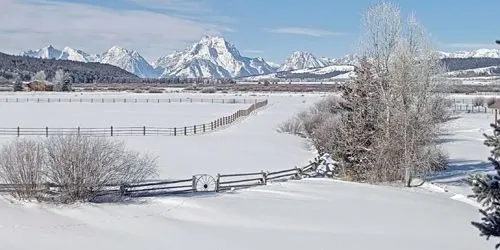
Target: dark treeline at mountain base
column 23, row 68
column 453, row 64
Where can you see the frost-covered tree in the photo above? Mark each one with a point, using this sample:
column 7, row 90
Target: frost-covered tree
column 486, row 189
column 397, row 95
column 58, row 80
column 39, row 76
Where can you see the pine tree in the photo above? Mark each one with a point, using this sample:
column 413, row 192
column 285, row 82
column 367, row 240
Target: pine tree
column 486, row 190
column 357, row 135
column 18, row 85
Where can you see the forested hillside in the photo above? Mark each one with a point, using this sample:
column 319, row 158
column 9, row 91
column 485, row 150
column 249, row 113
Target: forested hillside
column 453, row 64
column 12, row 67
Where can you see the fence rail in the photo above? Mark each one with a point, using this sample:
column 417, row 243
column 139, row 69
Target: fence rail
column 126, row 100
column 198, row 183
column 137, row 131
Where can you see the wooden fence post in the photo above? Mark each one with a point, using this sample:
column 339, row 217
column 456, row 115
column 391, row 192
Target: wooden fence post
column 18, row 131
column 144, row 131
column 194, row 127
column 217, row 181
column 185, row 130
column 111, row 130
column 203, row 128
column 175, row 131
column 264, row 177
column 194, row 183
column 78, row 130
column 46, row 131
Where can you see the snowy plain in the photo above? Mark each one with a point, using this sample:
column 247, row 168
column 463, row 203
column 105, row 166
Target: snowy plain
column 311, row 213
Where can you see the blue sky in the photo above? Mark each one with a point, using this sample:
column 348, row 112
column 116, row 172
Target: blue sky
column 272, row 29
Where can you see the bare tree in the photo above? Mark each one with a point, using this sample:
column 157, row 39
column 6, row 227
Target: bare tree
column 83, row 166
column 21, row 164
column 381, row 30
column 408, row 125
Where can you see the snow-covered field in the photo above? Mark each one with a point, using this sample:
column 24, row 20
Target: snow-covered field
column 103, row 115
column 313, row 214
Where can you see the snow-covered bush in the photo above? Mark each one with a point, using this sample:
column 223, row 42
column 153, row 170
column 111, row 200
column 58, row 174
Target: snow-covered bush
column 317, row 123
column 83, row 166
column 208, row 90
column 21, row 163
column 478, row 101
column 292, row 126
column 486, row 189
column 79, row 167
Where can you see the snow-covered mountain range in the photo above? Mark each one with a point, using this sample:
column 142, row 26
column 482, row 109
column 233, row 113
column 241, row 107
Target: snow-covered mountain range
column 214, row 57
column 479, row 53
column 211, row 57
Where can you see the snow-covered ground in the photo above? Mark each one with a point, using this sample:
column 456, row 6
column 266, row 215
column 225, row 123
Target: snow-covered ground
column 313, row 214
column 103, row 115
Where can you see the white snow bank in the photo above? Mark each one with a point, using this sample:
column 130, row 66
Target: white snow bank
column 308, row 214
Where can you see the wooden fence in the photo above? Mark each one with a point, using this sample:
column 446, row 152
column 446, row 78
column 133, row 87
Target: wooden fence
column 195, row 184
column 138, row 131
column 125, row 100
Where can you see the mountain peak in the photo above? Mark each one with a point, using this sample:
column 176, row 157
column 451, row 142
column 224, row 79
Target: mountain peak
column 212, row 56
column 301, row 60
column 118, row 49
column 213, row 39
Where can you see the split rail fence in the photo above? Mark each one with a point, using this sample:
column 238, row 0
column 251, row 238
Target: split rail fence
column 195, row 184
column 144, row 130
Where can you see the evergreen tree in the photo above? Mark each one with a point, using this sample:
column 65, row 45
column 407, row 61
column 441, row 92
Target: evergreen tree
column 486, row 190
column 357, row 136
column 18, row 85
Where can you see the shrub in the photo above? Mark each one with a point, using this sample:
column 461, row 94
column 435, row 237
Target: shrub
column 79, row 167
column 155, row 91
column 293, row 126
column 21, row 164
column 208, row 90
column 83, row 166
column 478, row 101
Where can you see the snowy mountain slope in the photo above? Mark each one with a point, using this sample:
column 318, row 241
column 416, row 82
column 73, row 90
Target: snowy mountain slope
column 130, row 61
column 301, row 60
column 334, row 72
column 211, row 57
column 48, row 52
column 273, row 65
column 479, row 53
column 77, row 55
